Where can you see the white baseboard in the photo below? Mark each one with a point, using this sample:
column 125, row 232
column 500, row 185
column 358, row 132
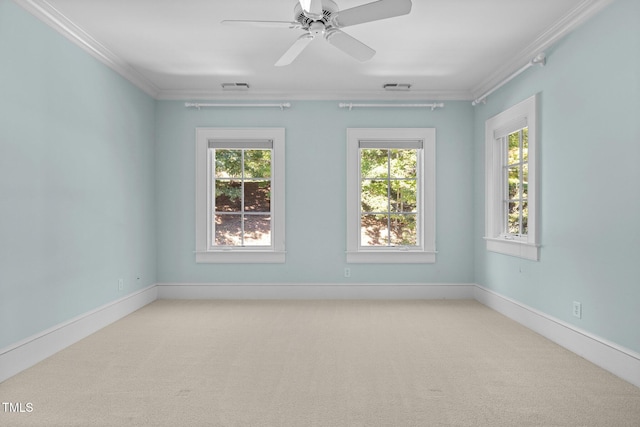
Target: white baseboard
column 36, row 348
column 616, row 359
column 612, row 357
column 315, row 291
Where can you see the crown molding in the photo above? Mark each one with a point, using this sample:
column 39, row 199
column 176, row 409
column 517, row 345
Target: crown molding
column 55, row 19
column 569, row 22
column 376, row 95
column 44, row 11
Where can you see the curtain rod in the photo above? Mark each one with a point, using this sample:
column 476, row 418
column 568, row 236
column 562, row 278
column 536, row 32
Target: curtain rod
column 350, row 106
column 281, row 106
column 539, row 59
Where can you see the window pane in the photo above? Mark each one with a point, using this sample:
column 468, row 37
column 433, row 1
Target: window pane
column 525, row 144
column 513, row 149
column 404, row 163
column 517, row 177
column 513, row 218
column 514, row 183
column 257, row 163
column 228, row 163
column 403, row 196
column 374, row 196
column 525, row 218
column 374, row 230
column 525, row 180
column 228, row 196
column 403, row 230
column 227, row 230
column 257, row 230
column 257, row 196
column 374, row 163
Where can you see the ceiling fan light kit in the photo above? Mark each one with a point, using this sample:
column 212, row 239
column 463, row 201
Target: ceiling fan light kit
column 322, row 18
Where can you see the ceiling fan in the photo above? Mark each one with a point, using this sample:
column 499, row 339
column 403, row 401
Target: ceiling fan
column 323, row 18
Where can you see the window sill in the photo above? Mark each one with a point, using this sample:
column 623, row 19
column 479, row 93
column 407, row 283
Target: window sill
column 391, row 257
column 515, row 248
column 240, row 257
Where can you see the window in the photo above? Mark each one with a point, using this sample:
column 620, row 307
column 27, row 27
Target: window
column 240, row 195
column 391, row 195
column 511, row 191
column 516, row 183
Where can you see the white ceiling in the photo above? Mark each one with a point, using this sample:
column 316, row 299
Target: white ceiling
column 446, row 49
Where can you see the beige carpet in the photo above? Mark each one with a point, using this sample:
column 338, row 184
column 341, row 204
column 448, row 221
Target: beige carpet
column 318, row 363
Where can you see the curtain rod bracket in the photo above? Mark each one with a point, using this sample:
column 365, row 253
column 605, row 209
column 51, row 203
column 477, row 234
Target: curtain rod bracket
column 539, row 59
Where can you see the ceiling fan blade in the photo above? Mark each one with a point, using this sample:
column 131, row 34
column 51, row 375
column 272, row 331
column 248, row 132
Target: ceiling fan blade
column 349, row 45
column 312, row 8
column 381, row 9
column 296, row 48
column 267, row 24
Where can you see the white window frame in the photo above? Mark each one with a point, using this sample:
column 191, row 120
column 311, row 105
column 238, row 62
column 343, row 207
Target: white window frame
column 523, row 114
column 425, row 252
column 205, row 251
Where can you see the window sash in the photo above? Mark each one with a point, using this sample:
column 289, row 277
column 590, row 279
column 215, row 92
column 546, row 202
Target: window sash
column 243, row 146
column 503, row 142
column 389, row 213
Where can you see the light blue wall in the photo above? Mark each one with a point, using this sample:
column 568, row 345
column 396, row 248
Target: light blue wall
column 76, row 180
column 590, row 201
column 315, row 193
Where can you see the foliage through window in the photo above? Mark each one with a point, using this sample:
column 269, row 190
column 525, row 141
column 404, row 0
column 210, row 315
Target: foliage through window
column 242, row 205
column 388, row 197
column 516, row 176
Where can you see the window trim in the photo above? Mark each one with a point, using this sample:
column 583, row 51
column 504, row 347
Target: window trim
column 426, row 252
column 203, row 252
column 522, row 114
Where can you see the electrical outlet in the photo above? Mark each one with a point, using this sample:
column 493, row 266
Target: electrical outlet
column 347, row 272
column 120, row 284
column 577, row 309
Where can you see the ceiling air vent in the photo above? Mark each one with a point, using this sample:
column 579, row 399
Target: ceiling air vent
column 397, row 86
column 235, row 86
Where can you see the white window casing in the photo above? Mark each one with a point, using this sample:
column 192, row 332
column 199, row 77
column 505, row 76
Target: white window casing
column 521, row 115
column 422, row 139
column 240, row 138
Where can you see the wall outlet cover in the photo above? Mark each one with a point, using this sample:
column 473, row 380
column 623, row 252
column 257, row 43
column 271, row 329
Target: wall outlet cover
column 577, row 309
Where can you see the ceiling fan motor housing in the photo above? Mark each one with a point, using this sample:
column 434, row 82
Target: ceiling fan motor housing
column 328, row 9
